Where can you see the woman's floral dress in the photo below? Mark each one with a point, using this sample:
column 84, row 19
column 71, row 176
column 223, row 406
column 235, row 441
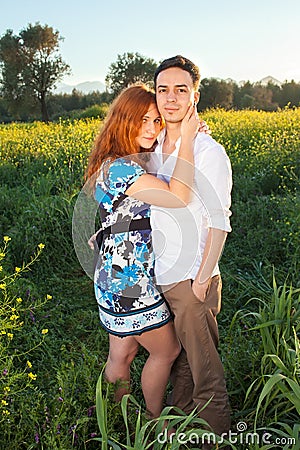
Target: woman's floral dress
column 128, row 299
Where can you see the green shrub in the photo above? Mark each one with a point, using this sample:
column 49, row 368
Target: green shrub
column 94, row 112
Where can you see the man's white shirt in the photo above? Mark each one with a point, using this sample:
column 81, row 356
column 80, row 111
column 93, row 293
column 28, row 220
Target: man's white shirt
column 179, row 234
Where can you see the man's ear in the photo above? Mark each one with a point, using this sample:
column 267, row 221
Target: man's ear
column 196, row 97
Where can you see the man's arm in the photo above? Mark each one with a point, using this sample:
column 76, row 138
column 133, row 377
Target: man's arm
column 214, row 187
column 211, row 255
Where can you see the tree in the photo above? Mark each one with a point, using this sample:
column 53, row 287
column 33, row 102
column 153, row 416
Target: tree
column 263, row 98
column 128, row 69
column 30, row 66
column 215, row 93
column 247, row 102
column 290, row 94
column 243, row 95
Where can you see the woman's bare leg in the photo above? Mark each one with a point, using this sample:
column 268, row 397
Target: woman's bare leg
column 121, row 354
column 163, row 347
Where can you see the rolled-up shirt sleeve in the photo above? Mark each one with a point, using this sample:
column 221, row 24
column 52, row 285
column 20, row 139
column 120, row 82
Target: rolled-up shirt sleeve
column 213, row 177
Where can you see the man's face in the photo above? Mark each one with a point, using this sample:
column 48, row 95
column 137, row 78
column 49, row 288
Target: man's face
column 175, row 94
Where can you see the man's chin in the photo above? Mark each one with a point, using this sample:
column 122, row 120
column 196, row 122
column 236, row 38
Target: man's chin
column 173, row 119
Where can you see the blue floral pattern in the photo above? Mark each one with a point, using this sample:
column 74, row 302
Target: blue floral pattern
column 128, row 299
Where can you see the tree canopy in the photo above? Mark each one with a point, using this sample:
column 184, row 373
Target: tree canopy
column 128, row 69
column 30, row 66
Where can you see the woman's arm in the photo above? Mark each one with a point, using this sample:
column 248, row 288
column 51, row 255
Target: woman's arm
column 176, row 193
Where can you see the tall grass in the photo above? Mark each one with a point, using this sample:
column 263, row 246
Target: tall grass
column 274, row 392
column 169, row 431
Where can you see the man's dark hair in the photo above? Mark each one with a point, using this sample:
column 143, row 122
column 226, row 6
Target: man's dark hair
column 184, row 64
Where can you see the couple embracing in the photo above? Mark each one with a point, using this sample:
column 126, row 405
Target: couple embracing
column 163, row 185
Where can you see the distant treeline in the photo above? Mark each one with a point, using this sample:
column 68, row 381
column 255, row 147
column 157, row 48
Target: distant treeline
column 61, row 106
column 214, row 93
column 230, row 95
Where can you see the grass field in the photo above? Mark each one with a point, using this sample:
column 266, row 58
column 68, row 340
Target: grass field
column 52, row 349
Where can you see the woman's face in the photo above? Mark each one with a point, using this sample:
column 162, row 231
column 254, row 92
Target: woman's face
column 150, row 128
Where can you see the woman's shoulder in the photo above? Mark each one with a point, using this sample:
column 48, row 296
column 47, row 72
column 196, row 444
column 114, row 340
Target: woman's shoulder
column 117, row 175
column 125, row 167
column 125, row 161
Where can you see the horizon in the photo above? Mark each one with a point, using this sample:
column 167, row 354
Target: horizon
column 60, row 85
column 236, row 81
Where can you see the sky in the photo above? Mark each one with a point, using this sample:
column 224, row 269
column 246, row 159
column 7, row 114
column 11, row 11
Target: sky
column 238, row 39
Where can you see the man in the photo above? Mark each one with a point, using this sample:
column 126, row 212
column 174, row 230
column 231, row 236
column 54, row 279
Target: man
column 188, row 243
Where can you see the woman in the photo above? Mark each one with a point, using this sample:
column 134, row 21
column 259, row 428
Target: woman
column 131, row 308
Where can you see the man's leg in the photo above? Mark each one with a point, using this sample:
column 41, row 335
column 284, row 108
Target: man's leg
column 182, row 384
column 196, row 326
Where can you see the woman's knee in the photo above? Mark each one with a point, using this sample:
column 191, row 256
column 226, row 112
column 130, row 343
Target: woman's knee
column 122, row 353
column 162, row 343
column 169, row 353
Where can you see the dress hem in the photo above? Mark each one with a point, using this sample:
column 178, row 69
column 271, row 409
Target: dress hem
column 136, row 333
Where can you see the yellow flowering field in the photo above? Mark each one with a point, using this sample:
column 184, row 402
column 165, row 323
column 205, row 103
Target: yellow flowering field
column 258, row 140
column 251, row 138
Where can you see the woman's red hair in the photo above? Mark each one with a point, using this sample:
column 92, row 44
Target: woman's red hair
column 118, row 134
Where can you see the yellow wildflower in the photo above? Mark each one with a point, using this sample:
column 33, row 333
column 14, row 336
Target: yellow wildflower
column 49, row 297
column 5, row 412
column 29, row 364
column 19, row 300
column 17, row 269
column 45, row 331
column 2, row 286
column 3, row 332
column 2, row 255
column 4, row 402
column 10, row 335
column 14, row 317
column 6, row 239
column 32, row 376
column 7, row 389
column 41, row 246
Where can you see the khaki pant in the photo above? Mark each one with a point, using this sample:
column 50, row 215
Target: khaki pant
column 197, row 374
